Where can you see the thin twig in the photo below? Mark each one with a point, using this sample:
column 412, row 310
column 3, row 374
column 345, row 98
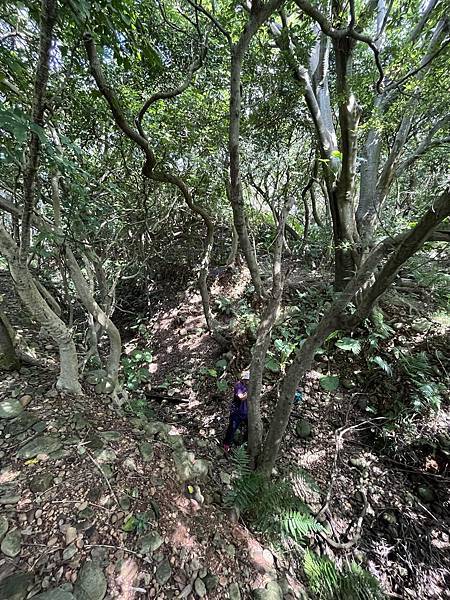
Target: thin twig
column 104, row 476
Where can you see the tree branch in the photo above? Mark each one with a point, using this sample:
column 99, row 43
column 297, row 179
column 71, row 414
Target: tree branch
column 48, row 20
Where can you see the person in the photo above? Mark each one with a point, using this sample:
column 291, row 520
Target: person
column 238, row 410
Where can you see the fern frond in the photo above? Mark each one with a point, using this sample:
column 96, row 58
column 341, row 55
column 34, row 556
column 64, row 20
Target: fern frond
column 323, row 576
column 298, row 525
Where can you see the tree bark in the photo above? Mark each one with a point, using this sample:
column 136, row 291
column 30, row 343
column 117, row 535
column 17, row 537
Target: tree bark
column 8, row 357
column 48, row 20
column 43, row 314
column 90, row 304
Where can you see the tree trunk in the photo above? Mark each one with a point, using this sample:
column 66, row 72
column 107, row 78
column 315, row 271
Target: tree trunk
column 8, row 357
column 236, row 195
column 43, row 314
column 90, row 304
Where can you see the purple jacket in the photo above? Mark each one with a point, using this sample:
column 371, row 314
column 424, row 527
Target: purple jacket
column 239, row 407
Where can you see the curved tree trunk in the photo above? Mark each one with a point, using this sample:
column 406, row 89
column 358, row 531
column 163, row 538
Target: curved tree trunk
column 43, row 314
column 90, row 304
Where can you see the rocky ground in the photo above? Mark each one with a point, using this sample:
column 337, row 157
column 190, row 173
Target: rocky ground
column 97, row 504
column 104, row 503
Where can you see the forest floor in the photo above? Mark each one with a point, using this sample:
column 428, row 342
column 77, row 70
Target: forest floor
column 95, row 501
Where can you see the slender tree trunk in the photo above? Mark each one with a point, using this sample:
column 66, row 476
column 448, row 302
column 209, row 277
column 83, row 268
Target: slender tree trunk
column 263, row 337
column 236, row 195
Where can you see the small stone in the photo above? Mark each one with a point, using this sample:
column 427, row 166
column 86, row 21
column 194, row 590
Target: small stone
column 425, row 493
column 91, row 582
column 130, row 464
column 25, row 400
column 71, row 535
column 15, row 586
column 163, row 572
column 225, row 477
column 303, row 429
column 234, row 592
column 150, row 542
column 199, row 587
column 10, row 545
column 211, row 582
column 41, row 482
column 69, row 552
column 200, row 468
column 146, row 450
column 44, row 444
column 4, row 525
column 230, row 550
column 10, row 408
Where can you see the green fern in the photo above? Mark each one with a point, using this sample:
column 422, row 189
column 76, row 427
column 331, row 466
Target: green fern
column 327, row 582
column 322, row 575
column 271, row 506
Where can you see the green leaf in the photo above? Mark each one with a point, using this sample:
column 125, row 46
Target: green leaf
column 330, row 383
column 130, row 524
column 273, row 365
column 382, row 364
column 222, row 385
column 349, row 344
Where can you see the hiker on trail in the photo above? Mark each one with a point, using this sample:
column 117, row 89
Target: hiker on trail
column 238, row 410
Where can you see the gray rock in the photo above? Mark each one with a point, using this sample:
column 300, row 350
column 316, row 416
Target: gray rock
column 56, row 594
column 10, row 545
column 146, row 450
column 272, row 591
column 69, row 552
column 199, row 587
column 225, row 477
column 4, row 525
column 40, row 426
column 150, row 542
column 175, row 442
column 200, row 468
column 15, row 586
column 163, row 572
column 10, row 408
column 8, row 494
column 211, row 581
column 22, row 423
column 105, row 456
column 111, row 436
column 96, row 376
column 44, row 444
column 234, row 592
column 41, row 482
column 183, row 466
column 91, row 582
column 425, row 493
column 303, row 429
